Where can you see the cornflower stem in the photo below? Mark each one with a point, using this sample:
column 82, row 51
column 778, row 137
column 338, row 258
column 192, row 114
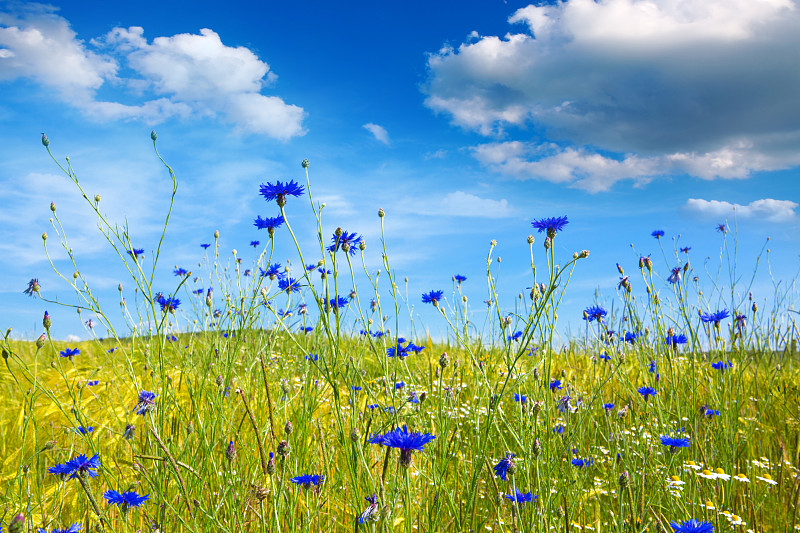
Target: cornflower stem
column 257, row 434
column 92, row 501
column 174, row 469
column 269, row 397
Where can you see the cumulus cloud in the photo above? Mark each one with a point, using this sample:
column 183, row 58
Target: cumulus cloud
column 765, row 209
column 706, row 87
column 463, row 204
column 379, row 132
column 182, row 75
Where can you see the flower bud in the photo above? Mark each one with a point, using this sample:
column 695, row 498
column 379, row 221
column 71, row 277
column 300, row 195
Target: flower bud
column 536, row 448
column 216, row 234
column 153, row 135
column 530, row 239
column 547, row 243
column 284, row 449
column 46, row 322
column 362, row 245
column 444, row 360
column 45, row 140
column 97, row 198
column 355, row 435
column 44, row 236
column 624, row 480
column 339, row 231
column 230, row 452
column 305, row 163
column 381, row 213
column 189, row 428
column 219, row 380
column 40, row 341
column 271, row 464
column 755, row 307
column 584, row 254
column 288, row 428
column 17, row 524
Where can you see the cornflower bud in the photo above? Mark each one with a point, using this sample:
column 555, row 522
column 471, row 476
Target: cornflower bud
column 536, row 448
column 381, row 213
column 530, row 239
column 53, row 207
column 362, row 245
column 284, row 449
column 423, row 396
column 755, row 307
column 219, row 380
column 216, row 234
column 624, row 480
column 153, row 135
column 45, row 140
column 97, row 198
column 355, row 435
column 305, row 163
column 189, row 428
column 230, row 452
column 44, row 236
column 17, row 524
column 584, row 254
column 49, row 445
column 443, row 360
column 547, row 243
column 40, row 341
column 288, row 428
column 46, row 322
column 271, row 464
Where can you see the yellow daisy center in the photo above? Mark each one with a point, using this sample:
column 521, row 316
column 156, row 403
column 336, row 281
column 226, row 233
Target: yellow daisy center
column 741, row 476
column 719, row 471
column 707, row 472
column 736, row 518
column 675, row 478
column 691, row 463
column 709, row 504
column 767, row 476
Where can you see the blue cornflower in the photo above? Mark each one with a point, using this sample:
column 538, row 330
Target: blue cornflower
column 459, row 278
column 279, row 191
column 693, row 526
column 675, row 277
column 604, row 356
column 307, row 329
column 167, row 305
column 198, row 291
column 520, row 497
column 563, row 404
column 652, row 368
column 92, row 383
column 632, row 336
column 204, row 246
column 399, row 385
column 432, row 297
column 710, row 413
column 658, row 233
column 582, row 463
column 273, row 271
column 337, row 302
column 555, row 384
column 719, row 365
column 675, row 340
column 413, row 397
column 125, row 500
column 551, row 225
column 350, row 239
column 593, row 313
column 324, row 272
column 312, row 357
column 33, row 287
column 136, row 253
column 180, row 272
column 372, row 512
column 501, row 468
column 147, row 403
column 722, row 228
column 79, row 466
column 402, row 439
column 521, row 399
column 74, row 528
column 686, row 249
column 608, row 406
column 81, row 430
column 715, row 317
column 289, row 285
column 558, row 430
column 255, row 244
column 268, row 223
column 647, row 392
column 515, row 337
column 70, row 352
column 308, row 480
column 674, row 442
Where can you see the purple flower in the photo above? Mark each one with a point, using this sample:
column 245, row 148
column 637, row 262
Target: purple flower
column 147, row 403
column 33, row 287
column 675, row 277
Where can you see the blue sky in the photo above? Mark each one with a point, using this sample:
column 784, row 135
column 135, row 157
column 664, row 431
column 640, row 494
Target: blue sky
column 463, row 123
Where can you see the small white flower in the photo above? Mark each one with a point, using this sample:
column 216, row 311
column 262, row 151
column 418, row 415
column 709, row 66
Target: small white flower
column 768, row 479
column 740, row 477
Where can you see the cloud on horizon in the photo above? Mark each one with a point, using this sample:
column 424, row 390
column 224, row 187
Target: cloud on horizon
column 629, row 89
column 765, row 209
column 179, row 76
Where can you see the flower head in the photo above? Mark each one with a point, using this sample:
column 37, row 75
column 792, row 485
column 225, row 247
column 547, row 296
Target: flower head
column 147, row 403
column 693, row 526
column 33, row 287
column 269, row 223
column 204, row 246
column 70, row 352
column 675, row 277
column 520, row 398
column 459, row 278
column 675, row 340
column 674, row 442
column 647, row 392
column 432, row 297
column 348, row 242
column 658, row 233
column 79, row 466
column 555, row 384
column 715, row 317
column 136, row 253
column 279, row 191
column 167, row 305
column 520, row 497
column 593, row 313
column 125, row 500
column 582, row 463
column 289, row 285
column 405, row 441
column 551, row 225
column 74, row 528
column 371, row 513
column 722, row 228
column 719, row 365
column 308, row 480
column 501, row 468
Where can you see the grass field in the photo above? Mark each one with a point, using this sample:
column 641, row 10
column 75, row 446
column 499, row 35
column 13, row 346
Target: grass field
column 320, row 418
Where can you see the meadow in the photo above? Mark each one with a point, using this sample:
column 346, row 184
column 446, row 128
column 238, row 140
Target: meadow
column 286, row 398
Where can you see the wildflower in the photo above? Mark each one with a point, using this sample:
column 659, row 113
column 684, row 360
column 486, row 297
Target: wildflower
column 658, row 233
column 338, row 301
column 675, row 481
column 399, row 385
column 92, row 383
column 555, row 384
column 204, row 246
column 79, row 466
column 693, row 526
column 647, row 392
column 605, row 357
column 623, row 282
column 432, row 297
column 520, row 398
column 719, row 365
column 608, row 406
column 693, row 465
column 558, row 430
column 551, row 225
column 405, row 441
column 307, row 329
column 722, row 228
column 125, row 500
column 501, row 469
column 715, row 317
column 81, row 430
column 741, row 322
column 707, row 474
column 268, row 223
column 674, row 442
column 515, row 337
column 675, row 277
column 371, row 513
column 167, row 305
column 741, row 478
column 686, row 249
column 632, row 336
column 136, row 253
column 230, row 452
column 520, row 497
column 348, row 242
column 582, row 463
column 279, row 191
column 33, row 287
column 593, row 313
column 459, row 278
column 766, row 478
column 146, row 404
column 273, row 271
column 563, row 404
column 652, row 368
column 675, row 340
column 180, row 272
column 710, row 413
column 308, row 480
column 74, row 528
column 720, row 474
column 130, row 429
column 271, row 464
column 70, row 352
column 289, row 285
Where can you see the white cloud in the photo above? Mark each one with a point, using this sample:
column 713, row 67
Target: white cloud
column 182, row 75
column 765, row 209
column 706, row 87
column 379, row 132
column 463, row 204
column 72, row 338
